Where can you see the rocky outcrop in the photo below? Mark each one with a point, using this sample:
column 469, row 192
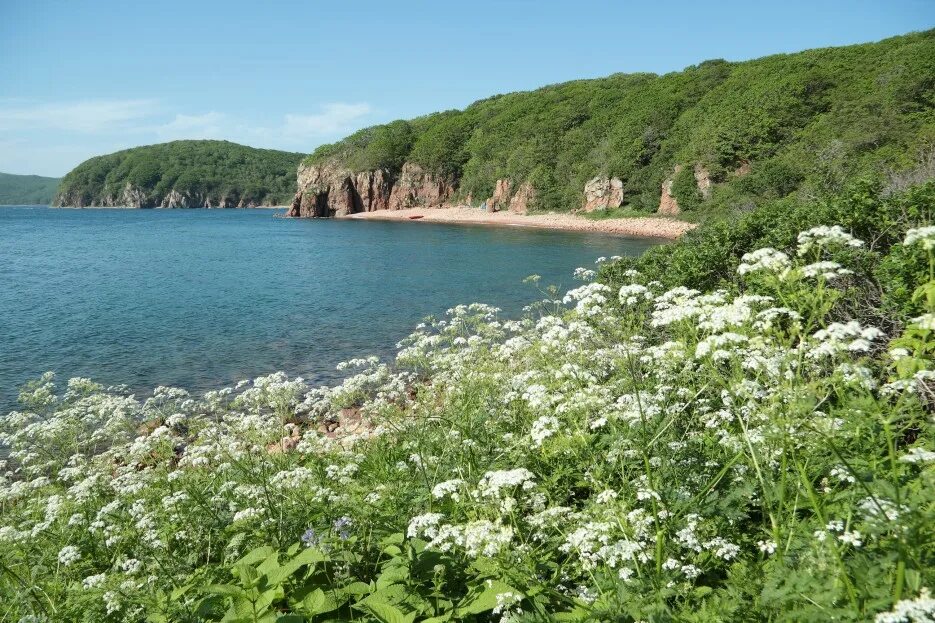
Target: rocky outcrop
column 416, row 187
column 668, row 205
column 500, row 197
column 133, row 197
column 521, row 201
column 602, row 193
column 702, row 180
column 329, row 189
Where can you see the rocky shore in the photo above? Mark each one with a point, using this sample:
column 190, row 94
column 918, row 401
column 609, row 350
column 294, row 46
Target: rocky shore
column 649, row 226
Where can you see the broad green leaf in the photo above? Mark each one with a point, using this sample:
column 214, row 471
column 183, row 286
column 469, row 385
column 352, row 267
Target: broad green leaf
column 392, row 575
column 314, row 602
column 484, row 599
column 224, row 589
column 385, row 613
column 256, row 555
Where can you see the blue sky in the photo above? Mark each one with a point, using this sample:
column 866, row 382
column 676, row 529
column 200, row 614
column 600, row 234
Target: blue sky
column 81, row 78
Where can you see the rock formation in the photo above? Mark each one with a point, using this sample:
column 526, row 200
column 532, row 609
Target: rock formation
column 133, row 197
column 525, row 195
column 416, row 187
column 601, row 193
column 329, row 189
column 702, row 180
column 667, row 203
column 501, row 196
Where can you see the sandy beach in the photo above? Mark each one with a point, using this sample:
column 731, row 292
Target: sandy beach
column 649, row 226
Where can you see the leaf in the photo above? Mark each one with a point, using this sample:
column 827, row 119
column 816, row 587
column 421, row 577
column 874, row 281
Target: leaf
column 224, row 589
column 355, row 588
column 486, row 599
column 385, row 613
column 256, row 555
column 314, row 602
column 392, row 575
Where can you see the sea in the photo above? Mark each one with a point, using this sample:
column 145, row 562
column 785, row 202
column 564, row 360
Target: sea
column 201, row 299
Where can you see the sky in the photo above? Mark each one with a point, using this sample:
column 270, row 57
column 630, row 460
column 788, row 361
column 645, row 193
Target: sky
column 80, row 78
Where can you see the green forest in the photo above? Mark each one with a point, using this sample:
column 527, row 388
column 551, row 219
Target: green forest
column 207, row 170
column 809, row 122
column 27, row 189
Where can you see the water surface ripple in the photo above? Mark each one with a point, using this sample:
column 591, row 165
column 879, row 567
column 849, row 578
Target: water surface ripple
column 202, row 298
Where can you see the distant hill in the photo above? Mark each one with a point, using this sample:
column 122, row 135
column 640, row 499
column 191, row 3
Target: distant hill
column 183, row 174
column 27, row 189
column 716, row 135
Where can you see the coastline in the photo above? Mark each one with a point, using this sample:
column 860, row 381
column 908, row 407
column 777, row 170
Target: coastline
column 643, row 226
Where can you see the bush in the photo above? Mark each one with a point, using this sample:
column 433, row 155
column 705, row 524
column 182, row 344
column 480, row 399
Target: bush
column 636, row 452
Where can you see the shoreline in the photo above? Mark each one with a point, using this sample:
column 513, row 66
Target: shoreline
column 639, row 226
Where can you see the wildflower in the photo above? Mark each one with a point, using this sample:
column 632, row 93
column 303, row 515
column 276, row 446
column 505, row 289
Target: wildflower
column 921, row 235
column 851, row 537
column 918, row 455
column 309, row 538
column 424, row 525
column 342, row 526
column 818, row 237
column 68, row 555
column 634, row 293
column 93, row 581
column 493, row 482
column 827, row 270
column 543, row 428
column 918, row 610
column 766, row 259
column 246, row 514
column 448, row 488
column 767, row 547
column 925, row 321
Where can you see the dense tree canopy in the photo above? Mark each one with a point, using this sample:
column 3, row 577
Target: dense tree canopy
column 26, row 189
column 812, row 120
column 213, row 169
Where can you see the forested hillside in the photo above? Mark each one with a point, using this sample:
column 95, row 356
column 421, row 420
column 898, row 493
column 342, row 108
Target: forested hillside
column 27, row 189
column 183, row 174
column 718, row 134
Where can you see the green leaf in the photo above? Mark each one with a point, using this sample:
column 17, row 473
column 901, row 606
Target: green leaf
column 385, row 613
column 484, row 598
column 392, row 575
column 224, row 589
column 256, row 555
column 314, row 602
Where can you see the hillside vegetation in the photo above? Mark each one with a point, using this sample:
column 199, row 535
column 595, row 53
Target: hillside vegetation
column 759, row 129
column 27, row 189
column 183, row 174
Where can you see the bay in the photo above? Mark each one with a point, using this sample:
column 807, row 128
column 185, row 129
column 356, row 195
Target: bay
column 200, row 299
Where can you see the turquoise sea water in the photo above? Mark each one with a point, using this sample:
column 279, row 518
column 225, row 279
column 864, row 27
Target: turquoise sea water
column 202, row 298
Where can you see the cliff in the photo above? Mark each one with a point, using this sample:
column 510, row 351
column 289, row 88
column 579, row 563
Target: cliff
column 182, row 174
column 716, row 136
